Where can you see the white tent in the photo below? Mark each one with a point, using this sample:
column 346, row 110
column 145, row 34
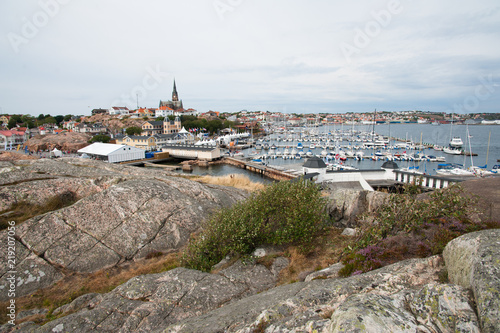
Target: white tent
column 183, row 131
column 113, row 153
column 56, row 153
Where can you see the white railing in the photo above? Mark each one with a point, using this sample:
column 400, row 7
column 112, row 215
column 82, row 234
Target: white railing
column 428, row 181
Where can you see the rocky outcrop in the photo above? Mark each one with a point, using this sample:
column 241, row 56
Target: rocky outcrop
column 404, row 297
column 114, row 123
column 346, row 205
column 473, row 261
column 65, row 141
column 123, row 213
column 148, row 302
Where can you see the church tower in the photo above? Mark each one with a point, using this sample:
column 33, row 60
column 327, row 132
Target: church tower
column 175, row 97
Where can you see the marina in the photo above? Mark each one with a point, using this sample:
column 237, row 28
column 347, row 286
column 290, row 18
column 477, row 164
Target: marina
column 356, row 155
column 415, row 147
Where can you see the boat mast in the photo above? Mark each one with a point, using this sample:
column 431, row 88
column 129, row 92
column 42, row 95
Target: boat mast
column 373, row 135
column 488, row 150
column 470, row 149
column 451, row 127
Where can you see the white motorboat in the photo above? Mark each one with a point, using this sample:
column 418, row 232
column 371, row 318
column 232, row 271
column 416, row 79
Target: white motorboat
column 456, row 142
column 452, row 151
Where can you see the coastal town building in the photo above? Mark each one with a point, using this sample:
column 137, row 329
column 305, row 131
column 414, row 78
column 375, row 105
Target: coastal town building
column 147, row 143
column 155, row 141
column 172, row 126
column 9, row 139
column 142, row 112
column 99, row 111
column 164, row 111
column 118, row 110
column 89, row 128
column 152, row 128
column 174, row 138
column 210, row 115
column 4, row 119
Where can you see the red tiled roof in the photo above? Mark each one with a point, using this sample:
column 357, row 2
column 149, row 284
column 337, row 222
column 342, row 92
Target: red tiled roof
column 11, row 133
column 165, row 108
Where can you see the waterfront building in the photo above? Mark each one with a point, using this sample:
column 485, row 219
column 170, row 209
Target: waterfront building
column 193, row 152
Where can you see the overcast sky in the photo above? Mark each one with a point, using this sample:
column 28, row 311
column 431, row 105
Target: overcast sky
column 70, row 56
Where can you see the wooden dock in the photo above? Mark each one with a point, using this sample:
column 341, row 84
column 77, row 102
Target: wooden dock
column 169, row 167
column 259, row 168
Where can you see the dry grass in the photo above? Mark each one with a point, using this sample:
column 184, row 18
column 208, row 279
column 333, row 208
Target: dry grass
column 328, row 250
column 234, row 180
column 75, row 285
column 22, row 211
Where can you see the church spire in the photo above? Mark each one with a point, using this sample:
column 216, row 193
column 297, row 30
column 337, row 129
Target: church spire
column 175, row 97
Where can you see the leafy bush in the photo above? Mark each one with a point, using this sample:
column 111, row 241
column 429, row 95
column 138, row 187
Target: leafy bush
column 409, row 226
column 283, row 213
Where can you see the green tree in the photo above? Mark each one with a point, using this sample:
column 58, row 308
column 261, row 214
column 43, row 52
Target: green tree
column 100, row 138
column 50, row 120
column 134, row 130
column 68, row 117
column 12, row 123
column 59, row 119
column 160, row 119
column 25, row 118
column 29, row 124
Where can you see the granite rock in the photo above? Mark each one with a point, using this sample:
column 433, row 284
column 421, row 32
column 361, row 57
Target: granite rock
column 473, row 261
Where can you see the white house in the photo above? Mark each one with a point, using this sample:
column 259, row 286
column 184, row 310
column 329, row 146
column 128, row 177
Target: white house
column 188, row 112
column 164, row 111
column 90, row 128
column 122, row 110
column 113, row 153
column 11, row 138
